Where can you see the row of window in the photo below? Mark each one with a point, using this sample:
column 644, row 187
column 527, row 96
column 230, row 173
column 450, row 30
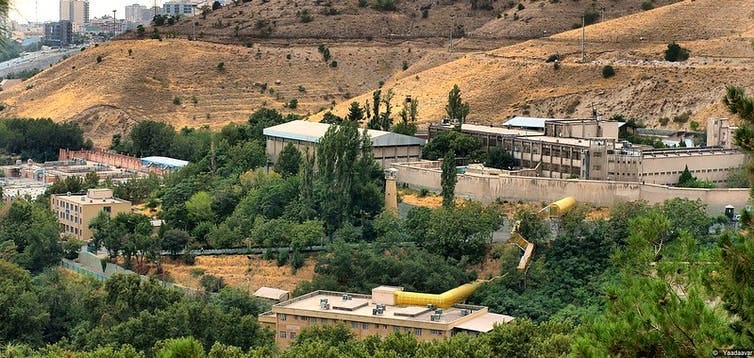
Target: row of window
column 678, row 172
column 71, row 230
column 354, row 325
column 68, row 217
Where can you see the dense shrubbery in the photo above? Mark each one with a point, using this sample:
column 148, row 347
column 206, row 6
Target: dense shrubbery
column 676, row 53
column 39, row 139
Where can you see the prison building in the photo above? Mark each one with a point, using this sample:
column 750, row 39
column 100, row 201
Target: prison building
column 388, row 309
column 304, row 135
column 75, row 212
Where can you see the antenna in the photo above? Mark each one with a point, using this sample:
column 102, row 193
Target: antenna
column 583, row 35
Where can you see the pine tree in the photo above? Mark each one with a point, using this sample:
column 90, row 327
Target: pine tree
column 449, row 179
column 456, row 109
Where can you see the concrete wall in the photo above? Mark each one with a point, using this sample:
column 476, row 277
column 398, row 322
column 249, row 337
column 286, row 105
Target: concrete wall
column 111, row 158
column 488, row 188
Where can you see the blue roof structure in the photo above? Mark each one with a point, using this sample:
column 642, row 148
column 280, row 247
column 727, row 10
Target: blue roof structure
column 163, row 162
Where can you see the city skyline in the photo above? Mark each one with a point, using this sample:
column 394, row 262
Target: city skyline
column 25, row 11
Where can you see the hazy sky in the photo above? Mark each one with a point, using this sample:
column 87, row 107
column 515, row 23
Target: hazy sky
column 48, row 10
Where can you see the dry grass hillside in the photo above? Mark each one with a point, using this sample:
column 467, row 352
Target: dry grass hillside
column 486, row 24
column 516, row 80
column 141, row 79
column 179, row 81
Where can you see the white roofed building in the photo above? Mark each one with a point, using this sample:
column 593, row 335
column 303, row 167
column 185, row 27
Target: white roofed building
column 389, row 147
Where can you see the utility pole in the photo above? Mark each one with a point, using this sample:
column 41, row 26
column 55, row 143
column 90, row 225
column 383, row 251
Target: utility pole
column 602, row 12
column 452, row 26
column 114, row 22
column 583, row 37
column 193, row 22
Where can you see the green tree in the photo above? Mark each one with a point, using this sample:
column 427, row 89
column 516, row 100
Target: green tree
column 185, row 347
column 34, row 232
column 500, row 158
column 355, row 113
column 408, row 115
column 675, row 53
column 211, row 283
column 456, row 109
column 686, row 178
column 22, row 314
column 463, row 145
column 174, row 241
column 151, row 138
column 330, row 118
column 462, row 231
column 448, row 179
column 531, row 225
column 91, row 180
column 199, row 208
column 289, row 161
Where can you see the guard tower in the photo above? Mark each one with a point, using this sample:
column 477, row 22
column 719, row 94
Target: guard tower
column 391, row 191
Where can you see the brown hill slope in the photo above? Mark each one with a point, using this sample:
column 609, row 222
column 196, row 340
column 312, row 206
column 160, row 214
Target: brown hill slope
column 487, row 22
column 516, row 80
column 157, row 75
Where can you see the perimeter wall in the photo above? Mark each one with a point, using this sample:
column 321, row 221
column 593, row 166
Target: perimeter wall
column 488, row 188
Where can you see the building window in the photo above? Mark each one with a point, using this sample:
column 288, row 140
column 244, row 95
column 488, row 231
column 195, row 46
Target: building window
column 293, row 335
column 107, row 209
column 396, row 329
column 365, row 326
column 354, row 325
column 323, row 320
column 282, row 316
column 282, row 334
column 436, row 332
column 417, row 332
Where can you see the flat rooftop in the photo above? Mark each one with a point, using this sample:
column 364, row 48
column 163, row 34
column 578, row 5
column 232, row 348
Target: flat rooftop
column 312, row 131
column 501, row 131
column 86, row 200
column 362, row 306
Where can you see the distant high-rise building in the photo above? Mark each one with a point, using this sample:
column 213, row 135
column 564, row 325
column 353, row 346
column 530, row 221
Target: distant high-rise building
column 135, row 13
column 180, row 7
column 58, row 33
column 75, row 11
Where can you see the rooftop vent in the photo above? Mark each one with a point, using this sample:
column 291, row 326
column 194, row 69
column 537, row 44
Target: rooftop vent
column 346, row 297
column 430, row 306
column 323, row 304
column 465, row 312
column 435, row 317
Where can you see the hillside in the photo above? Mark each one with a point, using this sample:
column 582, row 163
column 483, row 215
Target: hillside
column 516, row 80
column 108, row 96
column 179, row 81
column 490, row 23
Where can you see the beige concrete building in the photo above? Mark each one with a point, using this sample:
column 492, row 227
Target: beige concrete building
column 664, row 166
column 75, row 212
column 590, row 149
column 75, row 11
column 720, row 133
column 376, row 314
column 304, row 135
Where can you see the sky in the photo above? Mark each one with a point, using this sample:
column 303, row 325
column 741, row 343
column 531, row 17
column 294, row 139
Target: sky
column 25, row 10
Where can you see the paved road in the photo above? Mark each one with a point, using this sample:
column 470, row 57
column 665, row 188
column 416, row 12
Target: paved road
column 32, row 60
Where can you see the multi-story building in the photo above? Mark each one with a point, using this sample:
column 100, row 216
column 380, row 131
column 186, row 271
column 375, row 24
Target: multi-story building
column 720, row 133
column 59, row 34
column 75, row 212
column 180, row 7
column 590, row 149
column 135, row 13
column 75, row 11
column 388, row 309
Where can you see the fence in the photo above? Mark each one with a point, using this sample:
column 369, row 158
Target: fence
column 91, row 265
